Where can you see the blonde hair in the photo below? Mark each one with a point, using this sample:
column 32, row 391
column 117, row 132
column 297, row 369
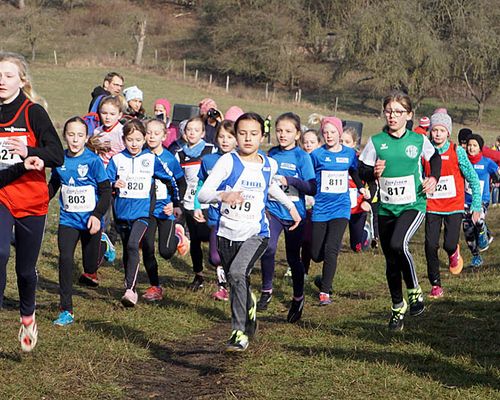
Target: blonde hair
column 22, row 66
column 354, row 134
column 315, row 119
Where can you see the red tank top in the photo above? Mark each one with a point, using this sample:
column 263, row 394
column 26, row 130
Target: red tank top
column 28, row 195
column 449, row 195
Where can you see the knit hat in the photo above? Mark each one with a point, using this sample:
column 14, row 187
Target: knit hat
column 440, row 110
column 132, row 92
column 463, row 135
column 165, row 103
column 233, row 113
column 441, row 119
column 336, row 122
column 424, row 122
column 477, row 138
column 206, row 104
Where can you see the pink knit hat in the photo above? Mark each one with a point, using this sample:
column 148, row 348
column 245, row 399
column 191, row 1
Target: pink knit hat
column 424, row 122
column 233, row 113
column 207, row 104
column 165, row 103
column 336, row 122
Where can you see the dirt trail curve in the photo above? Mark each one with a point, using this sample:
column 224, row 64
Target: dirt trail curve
column 195, row 369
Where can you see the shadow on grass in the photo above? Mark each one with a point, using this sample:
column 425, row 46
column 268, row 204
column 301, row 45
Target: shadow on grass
column 167, row 354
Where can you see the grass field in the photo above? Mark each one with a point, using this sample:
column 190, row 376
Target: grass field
column 175, row 349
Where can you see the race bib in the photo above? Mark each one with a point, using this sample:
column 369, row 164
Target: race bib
column 161, row 190
column 248, row 210
column 137, row 186
column 445, row 188
column 334, row 181
column 468, row 189
column 190, row 192
column 353, row 195
column 6, row 157
column 398, row 190
column 78, row 198
column 291, row 192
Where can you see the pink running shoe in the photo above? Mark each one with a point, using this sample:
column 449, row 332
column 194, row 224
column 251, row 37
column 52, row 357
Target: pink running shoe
column 28, row 333
column 184, row 242
column 153, row 293
column 221, row 294
column 456, row 262
column 436, row 292
column 129, row 299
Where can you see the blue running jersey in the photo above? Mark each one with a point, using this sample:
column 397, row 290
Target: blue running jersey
column 484, row 168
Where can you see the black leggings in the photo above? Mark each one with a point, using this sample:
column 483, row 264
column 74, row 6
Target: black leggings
column 357, row 233
column 395, row 234
column 433, row 224
column 67, row 238
column 326, row 243
column 28, row 233
column 198, row 232
column 131, row 233
column 167, row 244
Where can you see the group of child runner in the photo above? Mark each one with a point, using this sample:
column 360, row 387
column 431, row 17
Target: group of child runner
column 230, row 193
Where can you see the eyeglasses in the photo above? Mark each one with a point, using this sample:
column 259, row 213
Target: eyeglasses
column 396, row 113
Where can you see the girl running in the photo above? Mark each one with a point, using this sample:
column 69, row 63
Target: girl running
column 131, row 173
column 25, row 130
column 359, row 236
column 310, row 140
column 296, row 176
column 170, row 235
column 189, row 156
column 84, row 199
column 446, row 204
column 241, row 181
column 226, row 142
column 333, row 164
column 476, row 232
column 393, row 156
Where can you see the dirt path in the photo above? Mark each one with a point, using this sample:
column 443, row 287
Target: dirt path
column 195, row 369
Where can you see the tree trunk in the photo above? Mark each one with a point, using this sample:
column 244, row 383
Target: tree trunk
column 33, row 50
column 140, row 42
column 480, row 110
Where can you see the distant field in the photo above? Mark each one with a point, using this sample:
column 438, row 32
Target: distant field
column 175, row 349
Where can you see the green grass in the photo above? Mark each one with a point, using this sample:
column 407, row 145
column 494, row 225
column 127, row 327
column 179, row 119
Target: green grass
column 343, row 351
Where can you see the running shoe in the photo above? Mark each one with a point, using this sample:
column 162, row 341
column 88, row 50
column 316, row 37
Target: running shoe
column 28, row 333
column 197, row 283
column 295, row 311
column 110, row 253
column 317, row 283
column 222, row 294
column 221, row 276
column 476, row 261
column 89, row 279
column 456, row 262
column 288, row 273
column 129, row 299
column 153, row 293
column 64, row 318
column 482, row 241
column 265, row 299
column 436, row 292
column 184, row 242
column 416, row 301
column 237, row 342
column 396, row 323
column 251, row 324
column 324, row 299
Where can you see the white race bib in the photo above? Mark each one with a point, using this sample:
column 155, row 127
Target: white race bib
column 246, row 211
column 445, row 188
column 334, row 181
column 137, row 186
column 353, row 195
column 398, row 190
column 468, row 189
column 78, row 198
column 161, row 190
column 291, row 192
column 6, row 157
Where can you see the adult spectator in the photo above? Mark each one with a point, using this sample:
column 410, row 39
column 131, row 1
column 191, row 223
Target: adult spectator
column 111, row 86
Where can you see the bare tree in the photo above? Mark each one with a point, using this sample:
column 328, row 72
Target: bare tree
column 140, row 37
